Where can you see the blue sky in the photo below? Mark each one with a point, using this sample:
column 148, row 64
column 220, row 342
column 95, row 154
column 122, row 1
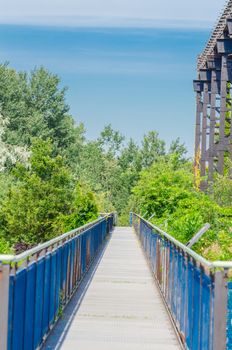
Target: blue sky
column 128, row 63
column 109, row 12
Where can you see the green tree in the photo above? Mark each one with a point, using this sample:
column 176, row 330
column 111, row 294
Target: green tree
column 161, row 187
column 221, row 191
column 130, row 158
column 111, row 141
column 152, row 148
column 178, row 150
column 43, row 199
column 167, row 191
column 91, row 166
column 41, row 193
column 35, row 106
column 84, row 208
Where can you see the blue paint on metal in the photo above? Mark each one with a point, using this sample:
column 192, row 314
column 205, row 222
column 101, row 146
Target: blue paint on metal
column 179, row 288
column 205, row 312
column 39, row 298
column 68, row 269
column 72, row 257
column 52, row 298
column 36, row 291
column 174, row 293
column 93, row 236
column 229, row 318
column 183, row 295
column 83, row 248
column 189, row 322
column 74, row 262
column 188, row 290
column 82, row 257
column 19, row 310
column 58, row 280
column 103, row 228
column 170, row 277
column 150, row 247
column 153, row 250
column 64, row 267
column 46, row 297
column 29, row 325
column 196, row 309
column 10, row 312
column 79, row 258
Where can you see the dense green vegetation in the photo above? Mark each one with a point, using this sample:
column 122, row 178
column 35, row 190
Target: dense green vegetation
column 166, row 190
column 53, row 179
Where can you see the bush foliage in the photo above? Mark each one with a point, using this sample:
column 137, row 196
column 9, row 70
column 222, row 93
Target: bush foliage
column 167, row 191
column 52, row 179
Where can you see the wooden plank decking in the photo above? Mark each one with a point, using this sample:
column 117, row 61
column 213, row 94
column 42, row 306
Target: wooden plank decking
column 118, row 306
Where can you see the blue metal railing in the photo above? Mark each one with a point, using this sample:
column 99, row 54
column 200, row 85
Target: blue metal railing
column 229, row 318
column 42, row 281
column 195, row 291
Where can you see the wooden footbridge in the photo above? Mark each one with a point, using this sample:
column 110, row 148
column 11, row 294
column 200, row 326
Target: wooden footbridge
column 105, row 287
column 213, row 87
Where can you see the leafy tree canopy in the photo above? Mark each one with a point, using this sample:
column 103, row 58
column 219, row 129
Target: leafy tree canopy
column 52, row 179
column 167, row 192
column 40, row 195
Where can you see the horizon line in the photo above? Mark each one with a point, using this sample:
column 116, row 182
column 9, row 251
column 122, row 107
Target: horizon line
column 106, row 22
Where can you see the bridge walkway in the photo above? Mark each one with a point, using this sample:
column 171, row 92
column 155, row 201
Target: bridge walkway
column 118, row 306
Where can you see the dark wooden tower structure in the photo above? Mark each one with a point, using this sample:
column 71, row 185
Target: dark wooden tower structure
column 213, row 87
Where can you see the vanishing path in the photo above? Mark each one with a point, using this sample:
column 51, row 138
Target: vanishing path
column 118, row 306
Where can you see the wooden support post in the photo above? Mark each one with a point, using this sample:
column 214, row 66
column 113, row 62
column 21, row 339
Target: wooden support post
column 198, row 137
column 230, row 134
column 230, row 137
column 198, row 124
column 212, row 126
column 223, row 109
column 204, row 134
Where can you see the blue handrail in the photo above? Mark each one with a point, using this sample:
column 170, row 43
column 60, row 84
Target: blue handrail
column 44, row 280
column 195, row 291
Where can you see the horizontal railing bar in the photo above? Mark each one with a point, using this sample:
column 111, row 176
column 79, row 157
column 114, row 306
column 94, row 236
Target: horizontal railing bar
column 196, row 256
column 222, row 264
column 51, row 282
column 6, row 257
column 196, row 297
column 40, row 247
column 178, row 243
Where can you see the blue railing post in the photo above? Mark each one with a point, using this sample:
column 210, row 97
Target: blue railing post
column 4, row 295
column 33, row 292
column 220, row 310
column 229, row 319
column 196, row 291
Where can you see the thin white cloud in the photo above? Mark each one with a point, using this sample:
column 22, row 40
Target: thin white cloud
column 99, row 61
column 101, row 21
column 143, row 13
